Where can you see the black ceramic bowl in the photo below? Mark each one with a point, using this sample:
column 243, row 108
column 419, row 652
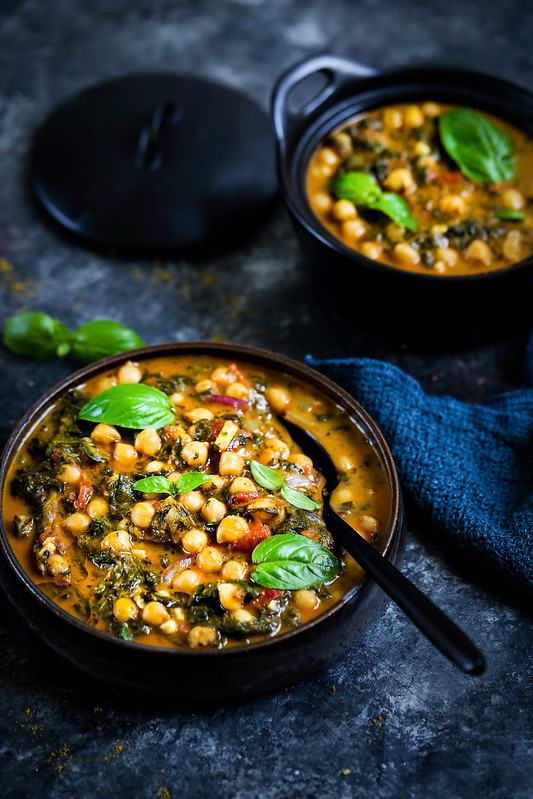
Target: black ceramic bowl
column 208, row 674
column 424, row 308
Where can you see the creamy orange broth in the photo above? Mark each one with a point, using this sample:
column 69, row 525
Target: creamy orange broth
column 362, row 497
column 400, row 145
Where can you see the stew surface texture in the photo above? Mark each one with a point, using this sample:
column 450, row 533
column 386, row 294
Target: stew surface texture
column 440, row 218
column 169, row 562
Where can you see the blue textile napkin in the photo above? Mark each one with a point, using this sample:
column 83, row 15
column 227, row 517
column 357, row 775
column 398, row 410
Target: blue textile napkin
column 467, row 468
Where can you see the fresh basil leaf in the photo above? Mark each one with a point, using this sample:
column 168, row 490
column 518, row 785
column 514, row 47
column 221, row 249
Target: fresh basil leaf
column 266, row 477
column 298, row 499
column 133, row 405
column 101, row 338
column 481, row 149
column 358, row 187
column 36, row 335
column 155, row 485
column 191, row 480
column 509, row 213
column 291, row 561
column 397, row 209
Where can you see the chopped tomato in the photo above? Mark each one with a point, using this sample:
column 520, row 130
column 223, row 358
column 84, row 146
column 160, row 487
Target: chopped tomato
column 266, row 596
column 449, row 177
column 242, row 498
column 257, row 533
column 56, row 454
column 239, row 375
column 84, row 495
column 216, row 427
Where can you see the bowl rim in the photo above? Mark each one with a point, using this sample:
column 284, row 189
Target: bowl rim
column 292, row 166
column 357, row 413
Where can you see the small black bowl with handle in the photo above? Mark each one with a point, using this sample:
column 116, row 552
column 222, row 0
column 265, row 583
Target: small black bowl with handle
column 424, row 309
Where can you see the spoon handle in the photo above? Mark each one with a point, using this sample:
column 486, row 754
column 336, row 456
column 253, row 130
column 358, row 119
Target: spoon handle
column 430, row 620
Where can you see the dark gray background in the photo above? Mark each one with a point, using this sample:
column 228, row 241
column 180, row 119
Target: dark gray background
column 402, row 722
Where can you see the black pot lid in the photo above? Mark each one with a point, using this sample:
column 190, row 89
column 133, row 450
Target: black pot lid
column 152, row 162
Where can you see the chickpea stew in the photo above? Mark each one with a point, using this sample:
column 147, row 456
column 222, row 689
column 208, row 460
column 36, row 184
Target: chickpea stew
column 150, row 534
column 425, row 211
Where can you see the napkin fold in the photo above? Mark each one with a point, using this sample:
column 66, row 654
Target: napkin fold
column 467, row 468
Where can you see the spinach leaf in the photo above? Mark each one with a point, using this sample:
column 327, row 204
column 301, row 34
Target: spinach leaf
column 481, row 149
column 292, row 561
column 363, row 190
column 36, row 335
column 509, row 213
column 101, row 338
column 272, row 480
column 133, row 405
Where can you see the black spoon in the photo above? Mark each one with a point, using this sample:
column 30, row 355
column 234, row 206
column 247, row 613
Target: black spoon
column 430, row 620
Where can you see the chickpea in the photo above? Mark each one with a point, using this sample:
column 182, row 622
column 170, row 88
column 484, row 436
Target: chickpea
column 478, row 253
column 264, row 509
column 243, row 616
column 400, row 179
column 341, row 495
column 406, row 254
column 453, row 205
column 168, row 627
column 106, row 382
column 187, row 581
column 369, row 523
column 203, row 385
column 242, row 485
column 413, row 117
column 105, row 434
column 125, row 609
column 154, row 466
column 194, row 541
column 222, row 376
column 193, row 500
column 421, row 148
column 440, row 267
column 77, row 522
column 234, row 570
column 372, row 250
column 238, row 391
column 278, row 398
column 230, row 596
column 118, row 540
column 148, row 442
column 125, row 455
column 431, row 110
column 447, row 255
column 299, row 459
column 328, row 156
column 56, row 565
column 342, row 210
column 177, row 397
column 353, row 229
column 216, row 483
column 268, row 457
column 279, row 447
column 231, row 528
column 97, row 507
column 210, row 559
column 343, row 142
column 393, row 118
column 202, row 636
column 305, row 599
column 512, row 245
column 199, row 413
column 142, row 514
column 513, row 200
column 322, row 202
column 129, row 373
column 70, row 474
column 195, row 453
column 231, row 464
column 213, row 510
column 155, row 613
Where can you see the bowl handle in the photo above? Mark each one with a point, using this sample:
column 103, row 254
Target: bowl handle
column 338, row 72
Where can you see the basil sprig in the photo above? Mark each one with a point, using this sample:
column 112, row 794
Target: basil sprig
column 38, row 335
column 273, row 480
column 290, row 561
column 363, row 190
column 509, row 213
column 481, row 149
column 132, row 405
column 161, row 485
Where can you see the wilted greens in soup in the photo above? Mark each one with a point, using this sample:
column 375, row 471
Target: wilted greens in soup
column 427, row 188
column 165, row 503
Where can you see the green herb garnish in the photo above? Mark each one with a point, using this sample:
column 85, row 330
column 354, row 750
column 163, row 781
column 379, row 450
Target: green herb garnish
column 290, row 561
column 481, row 149
column 363, row 190
column 133, row 405
column 37, row 335
column 161, row 485
column 509, row 213
column 273, row 480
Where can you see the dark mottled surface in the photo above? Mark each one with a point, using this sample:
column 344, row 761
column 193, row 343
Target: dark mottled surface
column 401, row 722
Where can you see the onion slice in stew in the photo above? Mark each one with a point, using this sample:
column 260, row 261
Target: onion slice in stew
column 174, row 568
column 223, row 399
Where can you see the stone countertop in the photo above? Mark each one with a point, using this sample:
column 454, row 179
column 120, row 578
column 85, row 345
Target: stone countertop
column 392, row 718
